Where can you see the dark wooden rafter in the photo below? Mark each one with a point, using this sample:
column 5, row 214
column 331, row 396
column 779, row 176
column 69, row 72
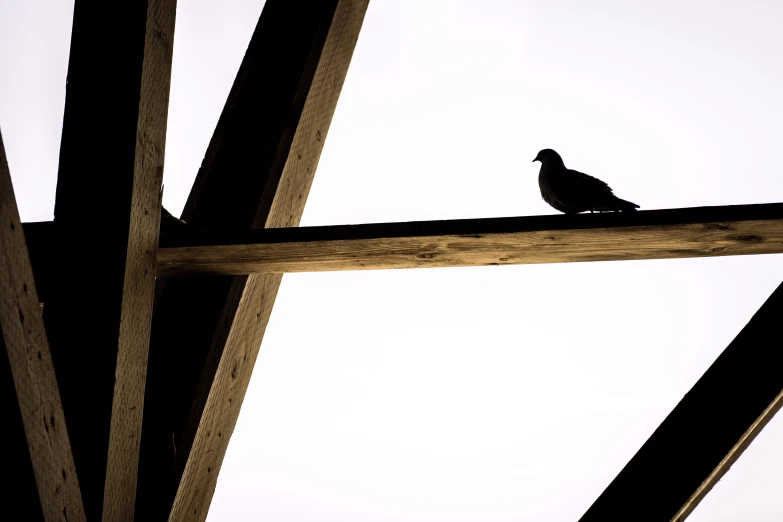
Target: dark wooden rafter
column 654, row 234
column 707, row 431
column 30, row 361
column 256, row 173
column 111, row 165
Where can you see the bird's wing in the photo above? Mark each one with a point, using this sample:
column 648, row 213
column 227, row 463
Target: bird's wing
column 586, row 184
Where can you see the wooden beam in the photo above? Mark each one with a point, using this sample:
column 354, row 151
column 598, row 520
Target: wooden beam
column 111, row 167
column 30, row 361
column 707, row 431
column 650, row 234
column 256, row 173
column 135, row 319
column 654, row 234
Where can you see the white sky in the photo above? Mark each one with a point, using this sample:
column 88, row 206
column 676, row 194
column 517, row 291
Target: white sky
column 476, row 394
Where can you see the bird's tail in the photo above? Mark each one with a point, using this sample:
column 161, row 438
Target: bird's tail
column 613, row 203
column 626, row 206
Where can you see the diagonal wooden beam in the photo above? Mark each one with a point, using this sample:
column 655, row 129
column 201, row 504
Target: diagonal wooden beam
column 30, row 361
column 707, row 431
column 139, row 280
column 111, row 167
column 256, row 173
column 653, row 234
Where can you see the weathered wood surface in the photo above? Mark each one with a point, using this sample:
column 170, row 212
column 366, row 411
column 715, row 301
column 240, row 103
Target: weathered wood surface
column 256, row 173
column 653, row 234
column 139, row 281
column 707, row 431
column 223, row 394
column 650, row 234
column 30, row 361
column 108, row 191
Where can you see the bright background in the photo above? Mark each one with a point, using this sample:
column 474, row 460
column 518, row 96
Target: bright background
column 474, row 394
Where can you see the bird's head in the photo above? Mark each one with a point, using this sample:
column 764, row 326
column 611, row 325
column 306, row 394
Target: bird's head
column 549, row 157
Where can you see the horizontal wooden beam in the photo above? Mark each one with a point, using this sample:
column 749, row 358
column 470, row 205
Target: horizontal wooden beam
column 653, row 234
column 707, row 431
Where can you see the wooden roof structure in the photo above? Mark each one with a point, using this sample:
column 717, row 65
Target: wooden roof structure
column 121, row 396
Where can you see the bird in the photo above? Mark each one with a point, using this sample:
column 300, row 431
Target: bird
column 573, row 192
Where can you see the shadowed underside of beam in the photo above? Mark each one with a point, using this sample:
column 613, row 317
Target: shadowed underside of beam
column 655, row 234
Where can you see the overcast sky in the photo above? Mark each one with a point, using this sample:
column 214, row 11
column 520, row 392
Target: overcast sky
column 474, row 394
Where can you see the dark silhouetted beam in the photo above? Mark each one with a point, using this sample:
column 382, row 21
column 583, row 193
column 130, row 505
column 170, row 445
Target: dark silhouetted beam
column 707, row 431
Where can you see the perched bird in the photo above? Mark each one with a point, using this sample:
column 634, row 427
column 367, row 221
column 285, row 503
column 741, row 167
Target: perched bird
column 572, row 192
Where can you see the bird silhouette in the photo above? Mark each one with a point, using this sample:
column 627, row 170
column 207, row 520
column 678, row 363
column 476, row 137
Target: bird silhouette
column 572, row 192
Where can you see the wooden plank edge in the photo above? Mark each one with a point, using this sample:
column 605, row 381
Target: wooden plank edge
column 715, row 215
column 729, row 460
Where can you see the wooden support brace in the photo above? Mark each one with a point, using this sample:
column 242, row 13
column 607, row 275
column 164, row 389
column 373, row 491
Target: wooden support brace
column 32, row 368
column 221, row 394
column 139, row 281
column 256, row 173
column 707, row 431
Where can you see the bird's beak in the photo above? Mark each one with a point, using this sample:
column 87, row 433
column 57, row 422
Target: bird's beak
column 536, row 159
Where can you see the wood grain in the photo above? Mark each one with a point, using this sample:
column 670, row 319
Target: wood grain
column 139, row 282
column 26, row 344
column 227, row 388
column 707, row 431
column 654, row 234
